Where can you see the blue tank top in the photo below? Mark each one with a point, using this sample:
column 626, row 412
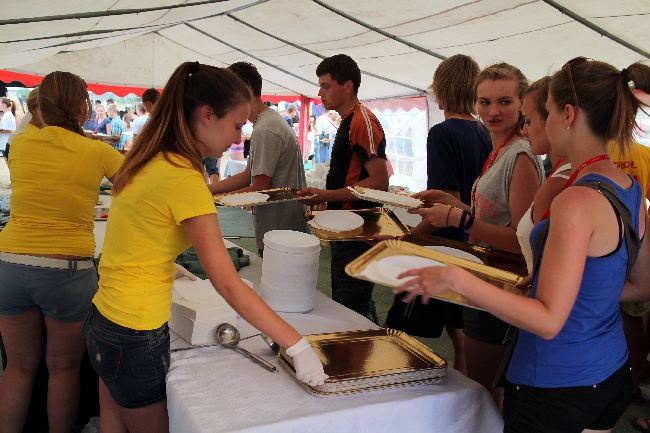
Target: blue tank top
column 591, row 345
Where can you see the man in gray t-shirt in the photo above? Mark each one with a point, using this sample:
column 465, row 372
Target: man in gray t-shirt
column 275, row 161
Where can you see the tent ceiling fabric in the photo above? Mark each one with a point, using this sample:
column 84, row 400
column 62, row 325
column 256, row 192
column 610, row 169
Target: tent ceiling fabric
column 139, row 43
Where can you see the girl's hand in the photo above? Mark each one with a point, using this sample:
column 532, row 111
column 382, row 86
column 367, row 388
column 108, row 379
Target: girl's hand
column 437, row 196
column 427, row 281
column 439, row 215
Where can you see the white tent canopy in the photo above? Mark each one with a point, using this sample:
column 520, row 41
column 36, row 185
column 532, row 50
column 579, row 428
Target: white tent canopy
column 396, row 44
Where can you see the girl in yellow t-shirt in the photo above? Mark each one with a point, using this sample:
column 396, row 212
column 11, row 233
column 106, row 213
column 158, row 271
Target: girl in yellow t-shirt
column 161, row 206
column 47, row 275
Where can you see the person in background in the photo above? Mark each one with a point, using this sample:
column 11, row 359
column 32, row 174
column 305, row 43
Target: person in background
column 32, row 121
column 635, row 161
column 312, row 139
column 47, row 274
column 7, row 124
column 535, row 115
column 114, row 128
column 149, row 99
column 102, row 120
column 292, row 116
column 456, row 150
column 275, row 161
column 17, row 109
column 139, row 121
column 110, row 101
column 199, row 114
column 569, row 371
column 358, row 158
column 501, row 194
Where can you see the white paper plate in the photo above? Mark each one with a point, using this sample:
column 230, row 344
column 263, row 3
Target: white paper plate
column 390, row 267
column 244, row 199
column 389, row 198
column 338, row 220
column 456, row 253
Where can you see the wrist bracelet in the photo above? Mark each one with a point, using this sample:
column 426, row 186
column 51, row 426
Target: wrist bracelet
column 463, row 217
column 470, row 221
column 448, row 212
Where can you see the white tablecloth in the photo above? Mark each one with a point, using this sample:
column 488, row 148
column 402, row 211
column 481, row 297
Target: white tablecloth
column 218, row 390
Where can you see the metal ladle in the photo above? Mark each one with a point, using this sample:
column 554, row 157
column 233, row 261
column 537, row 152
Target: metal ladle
column 228, row 336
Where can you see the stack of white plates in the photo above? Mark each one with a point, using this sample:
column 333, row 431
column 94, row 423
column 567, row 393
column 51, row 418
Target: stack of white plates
column 290, row 270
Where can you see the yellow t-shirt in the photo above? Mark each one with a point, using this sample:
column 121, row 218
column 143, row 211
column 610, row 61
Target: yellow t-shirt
column 55, row 177
column 636, row 163
column 143, row 237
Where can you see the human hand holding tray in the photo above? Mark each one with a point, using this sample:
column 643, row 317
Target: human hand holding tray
column 377, row 222
column 364, row 267
column 275, row 195
column 369, row 360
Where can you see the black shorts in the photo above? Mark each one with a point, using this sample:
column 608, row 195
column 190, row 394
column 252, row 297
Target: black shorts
column 484, row 327
column 567, row 410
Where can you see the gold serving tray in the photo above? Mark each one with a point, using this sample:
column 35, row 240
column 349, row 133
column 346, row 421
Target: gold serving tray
column 493, row 257
column 368, row 360
column 500, row 278
column 376, row 222
column 276, row 195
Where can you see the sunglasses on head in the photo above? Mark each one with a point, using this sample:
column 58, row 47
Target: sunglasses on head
column 574, row 62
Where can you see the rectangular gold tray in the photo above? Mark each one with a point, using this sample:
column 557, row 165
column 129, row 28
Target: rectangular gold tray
column 276, row 195
column 493, row 257
column 376, row 222
column 366, row 360
column 500, row 278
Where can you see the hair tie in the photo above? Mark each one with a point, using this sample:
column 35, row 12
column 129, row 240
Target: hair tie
column 194, row 67
column 625, row 73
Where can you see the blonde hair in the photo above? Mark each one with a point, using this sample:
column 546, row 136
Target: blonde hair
column 63, row 101
column 505, row 71
column 453, row 85
column 32, row 101
column 168, row 129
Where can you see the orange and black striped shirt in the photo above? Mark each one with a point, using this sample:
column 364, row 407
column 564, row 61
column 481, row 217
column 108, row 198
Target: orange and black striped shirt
column 359, row 138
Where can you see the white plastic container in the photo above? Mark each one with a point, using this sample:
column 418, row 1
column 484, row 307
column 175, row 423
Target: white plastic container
column 290, row 270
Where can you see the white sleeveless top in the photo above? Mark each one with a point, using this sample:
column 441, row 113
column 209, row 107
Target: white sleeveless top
column 525, row 226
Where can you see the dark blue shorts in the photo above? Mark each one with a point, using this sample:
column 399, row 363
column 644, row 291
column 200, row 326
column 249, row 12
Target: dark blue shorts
column 133, row 364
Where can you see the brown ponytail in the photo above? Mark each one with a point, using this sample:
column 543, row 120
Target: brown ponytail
column 168, row 129
column 605, row 95
column 63, row 101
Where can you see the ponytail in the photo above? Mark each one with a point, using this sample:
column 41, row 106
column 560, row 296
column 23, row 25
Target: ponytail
column 604, row 94
column 169, row 128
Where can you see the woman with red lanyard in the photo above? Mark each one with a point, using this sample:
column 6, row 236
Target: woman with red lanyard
column 535, row 115
column 569, row 370
column 500, row 196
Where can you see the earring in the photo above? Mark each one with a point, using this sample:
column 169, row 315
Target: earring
column 567, row 128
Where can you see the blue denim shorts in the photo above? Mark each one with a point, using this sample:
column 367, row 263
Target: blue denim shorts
column 61, row 294
column 133, row 364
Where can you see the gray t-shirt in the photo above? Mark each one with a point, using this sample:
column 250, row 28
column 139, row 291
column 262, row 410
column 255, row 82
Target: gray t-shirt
column 491, row 201
column 275, row 153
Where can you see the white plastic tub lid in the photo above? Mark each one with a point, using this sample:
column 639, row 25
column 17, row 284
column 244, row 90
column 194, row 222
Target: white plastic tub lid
column 289, row 241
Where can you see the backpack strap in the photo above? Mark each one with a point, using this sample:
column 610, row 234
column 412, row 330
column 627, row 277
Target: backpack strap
column 632, row 241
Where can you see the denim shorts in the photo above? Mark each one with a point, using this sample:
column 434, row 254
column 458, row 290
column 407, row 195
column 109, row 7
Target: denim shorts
column 61, row 294
column 133, row 364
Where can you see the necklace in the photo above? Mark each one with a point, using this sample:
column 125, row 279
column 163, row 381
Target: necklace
column 575, row 174
column 264, row 108
column 490, row 161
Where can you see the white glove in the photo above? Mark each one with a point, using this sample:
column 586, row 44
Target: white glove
column 181, row 272
column 308, row 367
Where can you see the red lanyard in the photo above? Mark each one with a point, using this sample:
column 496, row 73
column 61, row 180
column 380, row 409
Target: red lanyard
column 575, row 174
column 489, row 162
